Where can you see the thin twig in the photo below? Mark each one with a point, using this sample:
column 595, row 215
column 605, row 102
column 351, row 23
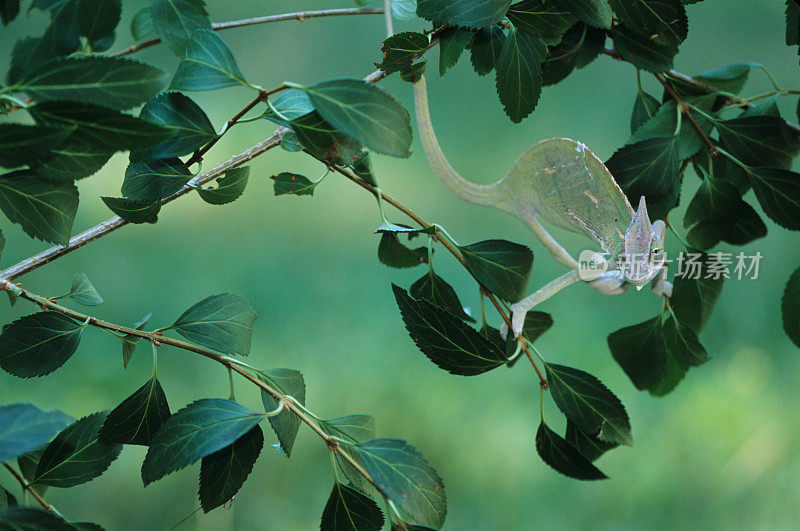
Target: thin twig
column 387, row 14
column 684, row 109
column 300, row 15
column 26, row 486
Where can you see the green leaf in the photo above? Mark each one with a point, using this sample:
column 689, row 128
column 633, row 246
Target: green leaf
column 362, row 168
column 466, row 13
column 83, row 292
column 759, row 140
column 536, row 324
column 98, row 18
column 486, row 47
column 649, row 168
column 730, row 78
column 116, row 82
column 355, row 428
column 44, row 209
column 452, row 43
column 177, row 20
column 641, row 52
column 790, row 308
column 406, row 478
column 438, row 292
column 400, row 51
column 200, row 429
column 641, row 352
column 76, row 158
column 229, row 187
column 589, row 446
column 38, row 344
column 76, row 456
column 563, row 457
column 683, row 345
column 694, row 295
column 32, row 519
column 540, row 18
column 778, row 193
column 388, row 226
column 130, row 341
column 9, row 9
column 348, row 509
column 222, row 322
column 190, row 125
column 285, row 424
column 154, row 180
column 519, row 74
column 104, row 128
column 134, row 211
column 445, row 339
column 792, row 23
column 25, row 144
column 589, row 404
column 578, row 47
column 404, row 9
column 142, row 24
column 364, row 112
column 500, row 266
column 596, row 13
column 292, row 184
column 207, row 64
column 138, row 417
column 224, row 472
column 24, row 428
column 663, row 22
column 644, row 108
column 394, row 254
column 29, row 462
column 6, row 498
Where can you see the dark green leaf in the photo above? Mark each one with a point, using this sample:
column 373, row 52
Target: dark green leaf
column 177, row 20
column 683, row 345
column 155, row 179
column 759, row 140
column 763, row 107
column 362, row 167
column 207, row 64
column 285, row 424
column 589, row 404
column 519, row 77
column 792, row 23
column 24, row 428
column 394, row 254
column 641, row 352
column 536, row 324
column 694, row 295
column 388, row 226
column 595, row 13
column 663, row 22
column 452, row 43
column 38, row 344
column 400, row 51
column 101, row 45
column 98, row 18
column 563, row 457
column 406, row 478
column 76, row 456
column 6, row 499
column 790, row 308
column 642, row 52
column 32, row 519
column 778, row 193
column 224, row 472
column 413, row 73
column 78, row 157
column 138, row 417
column 435, row 290
column 368, row 114
column 349, row 510
column 578, row 47
column 222, row 322
column 486, row 48
column 134, row 211
column 142, row 24
column 116, row 82
column 730, row 78
column 83, row 292
column 44, row 209
column 500, row 266
column 589, row 446
column 644, row 108
column 130, row 341
column 466, row 13
column 229, row 187
column 445, row 339
column 355, row 428
column 290, row 142
column 293, row 184
column 191, row 127
column 200, row 429
column 25, row 144
column 540, row 18
column 9, row 9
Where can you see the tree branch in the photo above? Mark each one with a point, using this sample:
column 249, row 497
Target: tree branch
column 300, row 15
column 684, row 109
column 26, row 486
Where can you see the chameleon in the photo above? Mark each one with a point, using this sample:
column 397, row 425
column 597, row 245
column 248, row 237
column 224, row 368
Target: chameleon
column 562, row 182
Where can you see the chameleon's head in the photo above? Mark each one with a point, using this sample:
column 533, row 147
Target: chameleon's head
column 643, row 254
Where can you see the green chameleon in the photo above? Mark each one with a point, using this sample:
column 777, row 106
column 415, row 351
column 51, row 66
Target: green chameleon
column 562, row 181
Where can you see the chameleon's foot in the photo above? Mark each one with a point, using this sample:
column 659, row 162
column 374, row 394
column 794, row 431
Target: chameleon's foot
column 663, row 288
column 610, row 283
column 518, row 313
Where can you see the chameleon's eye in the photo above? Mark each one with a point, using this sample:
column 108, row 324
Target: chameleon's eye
column 656, row 250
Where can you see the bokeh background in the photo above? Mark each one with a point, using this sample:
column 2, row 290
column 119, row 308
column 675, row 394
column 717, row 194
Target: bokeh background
column 721, row 451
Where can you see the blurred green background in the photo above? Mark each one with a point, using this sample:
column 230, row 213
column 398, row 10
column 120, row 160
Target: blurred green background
column 721, row 451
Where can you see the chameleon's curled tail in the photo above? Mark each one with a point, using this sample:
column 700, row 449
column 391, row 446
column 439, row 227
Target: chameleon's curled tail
column 479, row 194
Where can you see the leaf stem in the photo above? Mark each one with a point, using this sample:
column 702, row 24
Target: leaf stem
column 684, row 109
column 27, row 487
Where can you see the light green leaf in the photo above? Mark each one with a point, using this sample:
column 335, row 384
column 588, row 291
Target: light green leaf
column 222, row 322
column 24, row 428
column 83, row 292
column 44, row 209
column 177, row 20
column 229, row 187
column 207, row 64
column 730, row 78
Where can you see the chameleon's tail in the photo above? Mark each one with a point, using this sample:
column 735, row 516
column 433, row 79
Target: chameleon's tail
column 479, row 194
